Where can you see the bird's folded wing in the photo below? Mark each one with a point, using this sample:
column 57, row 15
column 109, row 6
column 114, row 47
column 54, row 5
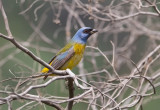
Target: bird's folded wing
column 62, row 58
column 59, row 60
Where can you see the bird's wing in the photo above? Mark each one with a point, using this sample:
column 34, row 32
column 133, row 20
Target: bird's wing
column 64, row 49
column 62, row 58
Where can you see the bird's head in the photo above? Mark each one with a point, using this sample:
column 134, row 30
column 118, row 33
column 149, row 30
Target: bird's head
column 83, row 34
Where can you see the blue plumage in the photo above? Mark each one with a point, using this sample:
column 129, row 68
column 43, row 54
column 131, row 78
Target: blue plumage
column 82, row 35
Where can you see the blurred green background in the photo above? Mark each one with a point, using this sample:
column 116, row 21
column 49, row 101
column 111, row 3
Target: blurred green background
column 22, row 27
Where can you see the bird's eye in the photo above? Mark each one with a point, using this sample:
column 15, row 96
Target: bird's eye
column 87, row 30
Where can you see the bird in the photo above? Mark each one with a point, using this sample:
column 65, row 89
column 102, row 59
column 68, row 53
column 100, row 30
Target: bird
column 71, row 54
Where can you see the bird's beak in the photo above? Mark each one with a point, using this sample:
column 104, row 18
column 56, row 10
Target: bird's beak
column 93, row 31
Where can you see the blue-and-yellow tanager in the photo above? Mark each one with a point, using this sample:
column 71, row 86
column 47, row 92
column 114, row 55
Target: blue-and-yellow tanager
column 72, row 53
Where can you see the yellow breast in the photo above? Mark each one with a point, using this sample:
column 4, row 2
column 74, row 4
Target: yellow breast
column 76, row 58
column 79, row 48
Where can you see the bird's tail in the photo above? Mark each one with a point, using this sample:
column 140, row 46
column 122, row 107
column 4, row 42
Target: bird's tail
column 45, row 77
